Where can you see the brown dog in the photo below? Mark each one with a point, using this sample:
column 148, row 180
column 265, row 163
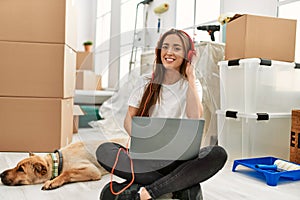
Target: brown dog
column 79, row 163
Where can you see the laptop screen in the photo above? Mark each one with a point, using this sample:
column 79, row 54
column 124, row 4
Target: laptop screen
column 165, row 138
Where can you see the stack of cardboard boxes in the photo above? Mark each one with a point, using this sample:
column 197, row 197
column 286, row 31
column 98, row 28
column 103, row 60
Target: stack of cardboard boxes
column 86, row 78
column 37, row 79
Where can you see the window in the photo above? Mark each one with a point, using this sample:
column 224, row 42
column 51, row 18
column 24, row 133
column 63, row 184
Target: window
column 192, row 13
column 103, row 36
column 185, row 13
column 128, row 11
column 102, row 40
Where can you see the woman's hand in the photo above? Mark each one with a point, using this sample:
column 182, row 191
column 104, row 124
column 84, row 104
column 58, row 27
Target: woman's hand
column 190, row 69
column 194, row 108
column 190, row 72
column 128, row 118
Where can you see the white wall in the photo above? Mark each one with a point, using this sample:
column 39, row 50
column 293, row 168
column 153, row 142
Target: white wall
column 257, row 7
column 86, row 21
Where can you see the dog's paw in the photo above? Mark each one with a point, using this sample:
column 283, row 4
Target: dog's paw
column 50, row 185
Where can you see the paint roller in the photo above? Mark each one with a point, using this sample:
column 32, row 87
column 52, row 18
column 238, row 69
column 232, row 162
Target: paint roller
column 288, row 166
column 159, row 10
column 279, row 165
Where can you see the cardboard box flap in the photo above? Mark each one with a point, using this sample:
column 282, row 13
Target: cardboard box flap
column 77, row 111
column 235, row 17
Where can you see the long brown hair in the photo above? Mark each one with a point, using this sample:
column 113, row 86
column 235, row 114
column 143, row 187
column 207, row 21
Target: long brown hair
column 152, row 89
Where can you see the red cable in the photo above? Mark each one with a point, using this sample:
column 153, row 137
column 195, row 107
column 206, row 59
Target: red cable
column 127, row 152
column 113, row 169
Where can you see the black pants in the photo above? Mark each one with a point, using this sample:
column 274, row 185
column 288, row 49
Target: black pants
column 161, row 177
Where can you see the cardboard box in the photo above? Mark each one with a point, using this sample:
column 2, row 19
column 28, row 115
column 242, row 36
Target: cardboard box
column 251, row 36
column 86, row 80
column 35, row 124
column 76, row 113
column 48, row 21
column 85, row 60
column 37, row 70
column 295, row 137
column 99, row 82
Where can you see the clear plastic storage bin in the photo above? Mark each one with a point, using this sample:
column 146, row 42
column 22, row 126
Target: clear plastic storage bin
column 256, row 85
column 252, row 135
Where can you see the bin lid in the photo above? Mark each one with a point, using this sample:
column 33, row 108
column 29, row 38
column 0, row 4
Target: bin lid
column 236, row 114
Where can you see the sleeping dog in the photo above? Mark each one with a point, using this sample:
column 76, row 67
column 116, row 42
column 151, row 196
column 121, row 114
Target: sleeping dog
column 76, row 162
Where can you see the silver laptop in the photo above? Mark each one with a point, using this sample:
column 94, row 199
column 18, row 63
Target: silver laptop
column 165, row 138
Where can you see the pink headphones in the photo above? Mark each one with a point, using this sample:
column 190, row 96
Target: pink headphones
column 192, row 51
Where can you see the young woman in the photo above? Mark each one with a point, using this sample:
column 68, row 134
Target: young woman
column 171, row 91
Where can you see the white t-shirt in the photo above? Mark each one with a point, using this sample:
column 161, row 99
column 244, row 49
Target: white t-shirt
column 172, row 102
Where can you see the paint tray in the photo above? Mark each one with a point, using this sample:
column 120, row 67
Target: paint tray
column 271, row 176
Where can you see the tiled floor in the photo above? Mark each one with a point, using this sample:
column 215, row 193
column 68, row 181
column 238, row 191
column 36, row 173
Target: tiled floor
column 226, row 185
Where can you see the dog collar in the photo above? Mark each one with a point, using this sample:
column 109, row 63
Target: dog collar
column 56, row 163
column 60, row 164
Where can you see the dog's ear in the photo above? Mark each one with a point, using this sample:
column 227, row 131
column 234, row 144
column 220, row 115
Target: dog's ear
column 31, row 154
column 40, row 168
